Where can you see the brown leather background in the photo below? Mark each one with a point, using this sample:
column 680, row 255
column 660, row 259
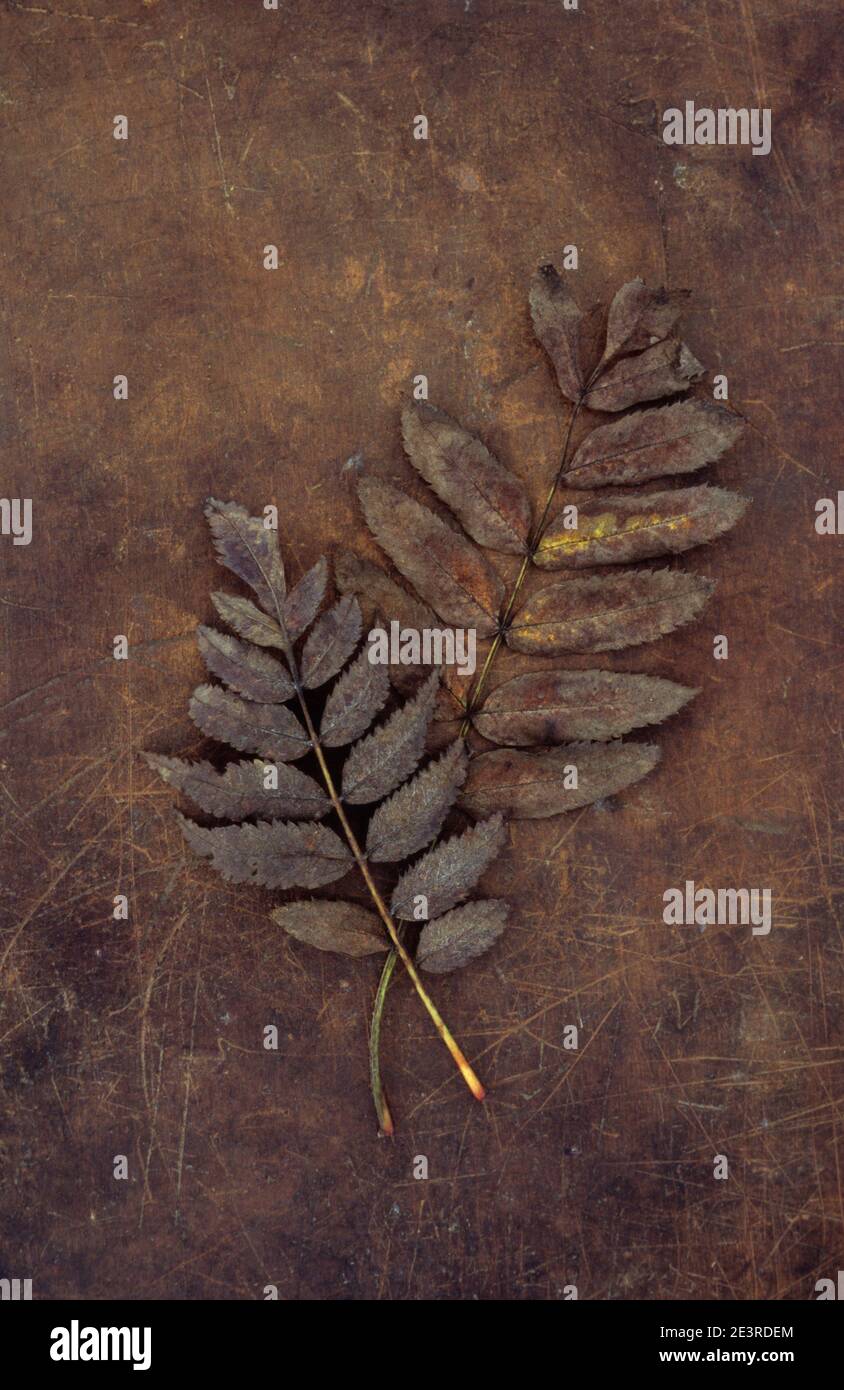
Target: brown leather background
column 398, row 256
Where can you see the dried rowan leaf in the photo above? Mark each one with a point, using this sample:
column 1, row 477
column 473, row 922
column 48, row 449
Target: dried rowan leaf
column 658, row 371
column 249, row 549
column 382, row 601
column 240, row 791
column 591, row 337
column 414, row 815
column 448, row 873
column 247, row 620
column 639, row 317
column 461, row 935
column 333, row 926
column 651, row 443
column 616, row 530
column 564, row 706
column 380, row 762
column 273, row 731
column 489, row 500
column 274, row 854
column 302, row 603
column 558, row 324
column 606, row 614
column 354, row 701
column 532, row 785
column 446, row 569
column 377, row 593
column 331, row 642
column 244, row 667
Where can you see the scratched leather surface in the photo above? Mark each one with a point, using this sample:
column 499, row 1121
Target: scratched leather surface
column 397, row 257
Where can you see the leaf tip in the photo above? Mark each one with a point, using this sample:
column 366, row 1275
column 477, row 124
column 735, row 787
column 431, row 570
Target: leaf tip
column 157, row 762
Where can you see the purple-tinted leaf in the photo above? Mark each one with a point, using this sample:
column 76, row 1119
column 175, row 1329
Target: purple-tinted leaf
column 448, row 873
column 331, row 642
column 460, row 936
column 414, row 815
column 241, row 790
column 244, row 668
column 274, row 854
column 273, row 731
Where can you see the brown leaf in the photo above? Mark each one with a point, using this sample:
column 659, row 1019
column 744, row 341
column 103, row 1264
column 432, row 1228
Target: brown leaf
column 564, row 706
column 240, row 792
column 331, row 642
column 640, row 317
column 446, row 569
column 354, row 701
column 591, row 337
column 448, row 716
column 557, row 322
column 461, row 935
column 381, row 761
column 247, row 620
column 606, row 614
column 490, row 502
column 450, row 709
column 413, row 816
column 449, row 872
column 302, row 603
column 658, row 371
column 377, row 593
column 532, row 785
column 274, row 854
column 382, row 599
column 651, row 443
column 243, row 667
column 333, row 926
column 617, row 530
column 273, row 731
column 249, row 549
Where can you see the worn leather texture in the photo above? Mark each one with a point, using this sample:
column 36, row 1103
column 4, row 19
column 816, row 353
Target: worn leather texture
column 143, row 257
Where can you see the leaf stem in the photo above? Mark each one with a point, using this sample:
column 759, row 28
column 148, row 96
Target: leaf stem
column 382, row 1109
column 471, row 706
column 532, row 547
column 383, row 911
column 360, row 858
